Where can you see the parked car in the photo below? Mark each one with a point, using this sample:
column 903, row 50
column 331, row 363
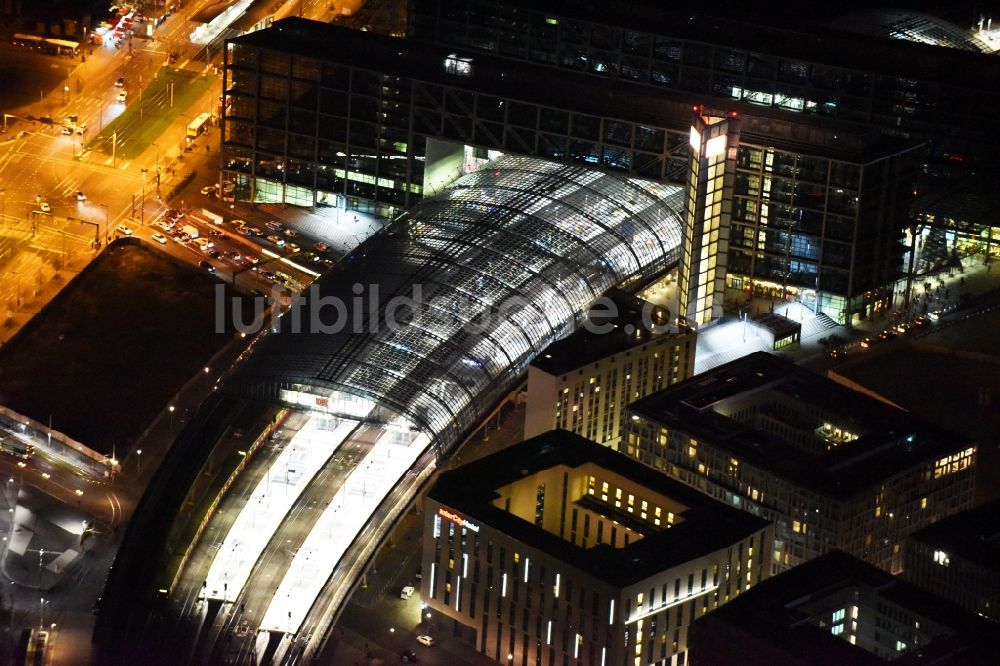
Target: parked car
column 80, row 196
column 120, row 83
column 274, row 226
column 67, row 130
column 277, row 240
column 160, row 238
column 425, row 640
column 45, row 207
column 293, row 247
column 122, row 229
column 290, row 233
column 207, row 266
column 321, row 247
column 209, row 190
column 121, row 97
column 408, row 656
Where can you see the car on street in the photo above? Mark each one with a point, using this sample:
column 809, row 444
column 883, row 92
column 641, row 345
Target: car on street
column 69, row 120
column 277, row 240
column 407, row 592
column 121, row 97
column 268, row 275
column 45, row 207
column 408, row 656
column 174, row 214
column 208, row 190
column 251, row 258
column 236, row 222
column 293, row 247
column 80, row 196
column 216, row 233
column 290, row 233
column 867, row 342
column 122, row 229
column 120, row 83
column 160, row 238
column 207, row 266
column 160, row 224
column 274, row 226
column 321, row 247
column 67, row 130
column 424, row 639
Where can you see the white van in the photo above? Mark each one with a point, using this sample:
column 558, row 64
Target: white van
column 406, row 592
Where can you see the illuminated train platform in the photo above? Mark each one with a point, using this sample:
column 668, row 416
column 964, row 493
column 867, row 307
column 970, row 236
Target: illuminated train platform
column 416, row 335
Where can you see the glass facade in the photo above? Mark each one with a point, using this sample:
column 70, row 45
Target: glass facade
column 937, row 110
column 491, row 271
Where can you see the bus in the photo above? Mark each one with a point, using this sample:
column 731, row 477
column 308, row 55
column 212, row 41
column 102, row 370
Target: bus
column 198, row 125
column 31, row 41
column 63, row 47
column 47, row 44
column 16, row 448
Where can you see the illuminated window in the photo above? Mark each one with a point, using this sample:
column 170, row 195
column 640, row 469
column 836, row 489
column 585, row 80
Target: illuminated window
column 923, row 502
column 458, row 66
column 941, row 557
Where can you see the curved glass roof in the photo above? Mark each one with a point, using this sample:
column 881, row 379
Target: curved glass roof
column 495, row 267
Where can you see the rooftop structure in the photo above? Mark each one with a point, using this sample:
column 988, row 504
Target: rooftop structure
column 838, row 610
column 958, row 558
column 833, row 467
column 577, row 521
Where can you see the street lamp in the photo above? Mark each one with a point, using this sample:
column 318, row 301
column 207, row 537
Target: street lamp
column 65, row 94
column 142, row 205
column 171, row 410
column 105, row 207
column 138, row 461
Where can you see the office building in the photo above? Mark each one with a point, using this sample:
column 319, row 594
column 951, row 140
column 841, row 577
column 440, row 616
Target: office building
column 833, row 468
column 839, row 610
column 558, row 550
column 627, row 349
column 958, row 558
column 310, row 122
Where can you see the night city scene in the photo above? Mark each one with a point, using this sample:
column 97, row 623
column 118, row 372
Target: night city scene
column 499, row 333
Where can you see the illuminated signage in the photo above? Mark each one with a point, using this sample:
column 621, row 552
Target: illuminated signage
column 458, row 520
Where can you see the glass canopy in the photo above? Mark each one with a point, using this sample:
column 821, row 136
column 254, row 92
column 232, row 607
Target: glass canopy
column 435, row 318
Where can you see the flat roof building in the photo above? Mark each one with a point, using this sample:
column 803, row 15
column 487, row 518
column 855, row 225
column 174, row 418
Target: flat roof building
column 958, row 558
column 832, row 467
column 626, row 349
column 838, row 610
column 559, row 549
column 321, row 116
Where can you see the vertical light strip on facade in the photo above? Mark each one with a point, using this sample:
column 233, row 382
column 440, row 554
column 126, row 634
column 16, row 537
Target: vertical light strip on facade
column 433, row 571
column 611, row 613
column 527, row 565
column 458, row 593
column 548, row 634
column 465, row 565
column 503, row 586
column 556, row 591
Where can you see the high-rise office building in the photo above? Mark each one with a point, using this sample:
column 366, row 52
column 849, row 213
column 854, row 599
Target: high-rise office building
column 558, row 550
column 833, row 468
column 309, row 122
